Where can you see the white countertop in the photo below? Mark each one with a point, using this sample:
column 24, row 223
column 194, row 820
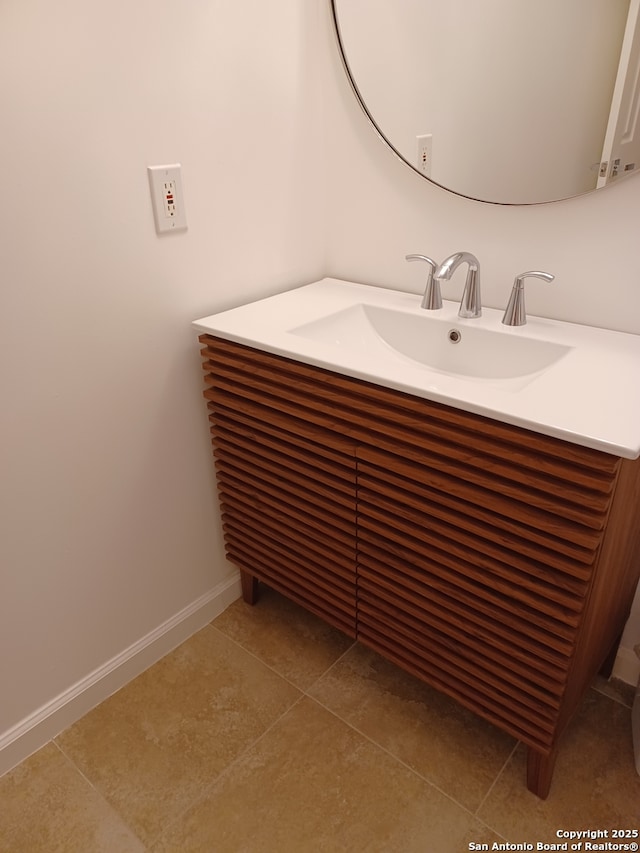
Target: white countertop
column 591, row 396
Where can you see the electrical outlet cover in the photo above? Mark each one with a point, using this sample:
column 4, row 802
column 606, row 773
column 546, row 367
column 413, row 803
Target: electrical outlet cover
column 165, row 183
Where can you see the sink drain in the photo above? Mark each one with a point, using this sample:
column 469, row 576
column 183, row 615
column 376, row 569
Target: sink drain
column 455, row 336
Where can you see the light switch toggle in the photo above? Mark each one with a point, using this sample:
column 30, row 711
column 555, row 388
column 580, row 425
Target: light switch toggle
column 165, row 183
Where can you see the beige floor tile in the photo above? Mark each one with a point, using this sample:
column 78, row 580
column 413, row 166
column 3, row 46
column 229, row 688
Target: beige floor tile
column 594, row 786
column 297, row 644
column 47, row 807
column 152, row 747
column 313, row 784
column 448, row 745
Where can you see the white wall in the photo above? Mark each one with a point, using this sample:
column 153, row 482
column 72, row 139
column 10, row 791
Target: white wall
column 107, row 508
column 381, row 210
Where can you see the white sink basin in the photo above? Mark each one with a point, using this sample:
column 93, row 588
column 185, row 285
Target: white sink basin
column 435, row 342
column 577, row 383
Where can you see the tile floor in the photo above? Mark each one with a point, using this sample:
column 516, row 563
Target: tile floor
column 269, row 731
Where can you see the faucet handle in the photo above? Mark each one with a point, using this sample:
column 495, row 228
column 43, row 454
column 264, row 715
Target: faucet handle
column 432, row 299
column 515, row 314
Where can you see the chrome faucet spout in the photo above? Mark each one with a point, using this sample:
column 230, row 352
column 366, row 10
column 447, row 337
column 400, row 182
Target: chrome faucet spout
column 471, row 304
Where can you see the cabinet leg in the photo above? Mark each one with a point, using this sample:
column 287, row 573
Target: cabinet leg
column 249, row 587
column 539, row 771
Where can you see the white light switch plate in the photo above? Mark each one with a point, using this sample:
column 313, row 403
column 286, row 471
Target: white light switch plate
column 167, row 196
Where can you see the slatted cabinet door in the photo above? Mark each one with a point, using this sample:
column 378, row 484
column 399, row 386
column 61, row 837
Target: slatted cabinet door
column 287, row 491
column 478, row 593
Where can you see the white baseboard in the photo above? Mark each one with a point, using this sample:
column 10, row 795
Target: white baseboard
column 47, row 722
column 32, row 733
column 627, row 666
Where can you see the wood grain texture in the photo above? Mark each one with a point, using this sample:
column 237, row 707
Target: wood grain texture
column 287, row 497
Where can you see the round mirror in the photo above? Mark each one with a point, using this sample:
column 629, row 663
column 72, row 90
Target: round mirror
column 506, row 101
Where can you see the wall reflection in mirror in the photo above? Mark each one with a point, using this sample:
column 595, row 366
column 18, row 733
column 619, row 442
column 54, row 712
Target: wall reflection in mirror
column 508, row 101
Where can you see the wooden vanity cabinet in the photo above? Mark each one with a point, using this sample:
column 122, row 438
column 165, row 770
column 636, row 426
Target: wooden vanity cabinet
column 494, row 563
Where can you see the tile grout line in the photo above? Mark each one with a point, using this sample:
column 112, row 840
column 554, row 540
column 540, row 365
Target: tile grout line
column 207, row 789
column 275, row 671
column 403, row 763
column 400, row 761
column 495, row 782
column 302, row 694
column 305, row 693
column 96, row 791
column 329, row 668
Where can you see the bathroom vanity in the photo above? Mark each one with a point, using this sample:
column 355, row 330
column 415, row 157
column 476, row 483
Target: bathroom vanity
column 494, row 561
